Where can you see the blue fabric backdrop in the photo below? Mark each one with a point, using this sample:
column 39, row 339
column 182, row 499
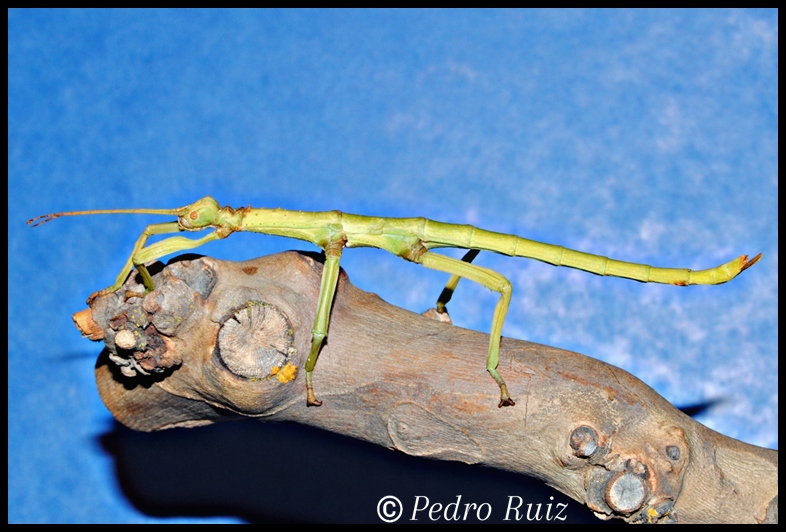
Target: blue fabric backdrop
column 648, row 136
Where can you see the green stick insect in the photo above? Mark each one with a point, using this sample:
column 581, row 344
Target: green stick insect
column 412, row 239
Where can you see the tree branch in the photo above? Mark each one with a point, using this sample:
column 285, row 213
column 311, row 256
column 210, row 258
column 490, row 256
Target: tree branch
column 220, row 340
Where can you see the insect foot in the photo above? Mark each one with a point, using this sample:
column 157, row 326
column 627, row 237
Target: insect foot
column 434, row 314
column 505, row 399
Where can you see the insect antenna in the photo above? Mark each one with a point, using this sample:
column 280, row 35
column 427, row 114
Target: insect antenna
column 40, row 220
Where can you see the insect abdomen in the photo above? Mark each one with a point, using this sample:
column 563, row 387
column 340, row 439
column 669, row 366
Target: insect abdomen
column 439, row 234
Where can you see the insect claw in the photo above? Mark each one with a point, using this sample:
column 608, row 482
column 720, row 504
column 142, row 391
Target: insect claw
column 93, row 297
column 504, row 398
column 506, row 402
column 311, row 399
column 130, row 294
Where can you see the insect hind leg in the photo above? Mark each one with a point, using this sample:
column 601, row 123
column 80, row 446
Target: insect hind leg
column 451, row 285
column 493, row 281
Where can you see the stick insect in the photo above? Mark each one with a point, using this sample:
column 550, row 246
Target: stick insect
column 412, row 239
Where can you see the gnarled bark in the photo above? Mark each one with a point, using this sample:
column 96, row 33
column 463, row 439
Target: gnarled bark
column 219, row 340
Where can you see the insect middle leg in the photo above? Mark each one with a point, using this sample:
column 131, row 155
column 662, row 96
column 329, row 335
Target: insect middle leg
column 327, row 291
column 493, row 281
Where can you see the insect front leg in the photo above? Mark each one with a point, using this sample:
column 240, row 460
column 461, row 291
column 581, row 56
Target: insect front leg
column 154, row 229
column 327, row 291
column 493, row 281
column 142, row 254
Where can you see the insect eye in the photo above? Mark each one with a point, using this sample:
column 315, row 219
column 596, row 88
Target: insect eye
column 194, row 215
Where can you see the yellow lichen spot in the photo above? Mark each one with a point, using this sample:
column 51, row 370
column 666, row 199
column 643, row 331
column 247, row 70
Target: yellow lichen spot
column 287, row 373
column 651, row 513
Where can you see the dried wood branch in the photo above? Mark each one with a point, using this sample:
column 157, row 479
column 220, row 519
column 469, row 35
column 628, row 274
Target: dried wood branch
column 221, row 340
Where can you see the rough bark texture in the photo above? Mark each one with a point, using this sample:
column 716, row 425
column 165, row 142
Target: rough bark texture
column 219, row 340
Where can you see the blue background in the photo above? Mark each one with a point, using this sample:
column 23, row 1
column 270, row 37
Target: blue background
column 647, row 136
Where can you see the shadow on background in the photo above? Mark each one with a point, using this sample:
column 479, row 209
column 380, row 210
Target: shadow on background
column 696, row 410
column 267, row 472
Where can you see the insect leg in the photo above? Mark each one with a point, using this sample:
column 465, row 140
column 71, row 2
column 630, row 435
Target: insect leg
column 154, row 229
column 327, row 291
column 493, row 281
column 141, row 254
column 447, row 292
